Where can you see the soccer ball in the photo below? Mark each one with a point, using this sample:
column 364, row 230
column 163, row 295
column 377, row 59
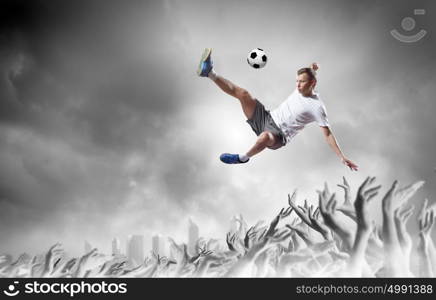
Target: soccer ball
column 257, row 58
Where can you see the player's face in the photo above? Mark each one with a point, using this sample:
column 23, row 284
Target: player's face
column 304, row 85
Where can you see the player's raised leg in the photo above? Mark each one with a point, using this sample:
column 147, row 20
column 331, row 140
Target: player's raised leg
column 265, row 139
column 205, row 69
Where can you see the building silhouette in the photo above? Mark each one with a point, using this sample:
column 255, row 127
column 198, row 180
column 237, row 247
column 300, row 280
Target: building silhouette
column 193, row 235
column 116, row 246
column 135, row 249
column 158, row 245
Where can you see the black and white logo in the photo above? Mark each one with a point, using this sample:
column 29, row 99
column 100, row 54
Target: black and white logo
column 408, row 24
column 12, row 290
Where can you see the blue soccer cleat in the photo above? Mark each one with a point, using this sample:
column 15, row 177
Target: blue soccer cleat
column 206, row 64
column 231, row 159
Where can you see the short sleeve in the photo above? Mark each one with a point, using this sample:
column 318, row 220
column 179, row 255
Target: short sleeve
column 321, row 116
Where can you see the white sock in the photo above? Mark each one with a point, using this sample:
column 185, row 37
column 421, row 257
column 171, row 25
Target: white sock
column 243, row 157
column 212, row 75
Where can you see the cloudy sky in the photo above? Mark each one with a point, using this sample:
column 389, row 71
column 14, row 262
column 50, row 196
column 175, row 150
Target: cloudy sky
column 106, row 131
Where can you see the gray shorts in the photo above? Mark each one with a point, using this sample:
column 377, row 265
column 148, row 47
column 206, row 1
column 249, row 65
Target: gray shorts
column 262, row 121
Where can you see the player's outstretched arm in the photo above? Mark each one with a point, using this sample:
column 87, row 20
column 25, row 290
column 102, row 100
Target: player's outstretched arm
column 331, row 140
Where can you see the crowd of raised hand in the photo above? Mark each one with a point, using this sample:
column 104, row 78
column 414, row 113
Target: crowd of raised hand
column 331, row 240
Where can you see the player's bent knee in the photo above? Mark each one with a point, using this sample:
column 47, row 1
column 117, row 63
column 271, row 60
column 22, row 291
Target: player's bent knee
column 270, row 139
column 243, row 95
column 267, row 138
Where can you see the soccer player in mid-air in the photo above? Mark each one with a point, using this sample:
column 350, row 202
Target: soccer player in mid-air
column 274, row 129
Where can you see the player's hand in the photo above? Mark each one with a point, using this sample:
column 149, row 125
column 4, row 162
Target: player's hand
column 350, row 164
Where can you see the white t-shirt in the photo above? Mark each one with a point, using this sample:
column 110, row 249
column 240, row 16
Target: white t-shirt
column 297, row 111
